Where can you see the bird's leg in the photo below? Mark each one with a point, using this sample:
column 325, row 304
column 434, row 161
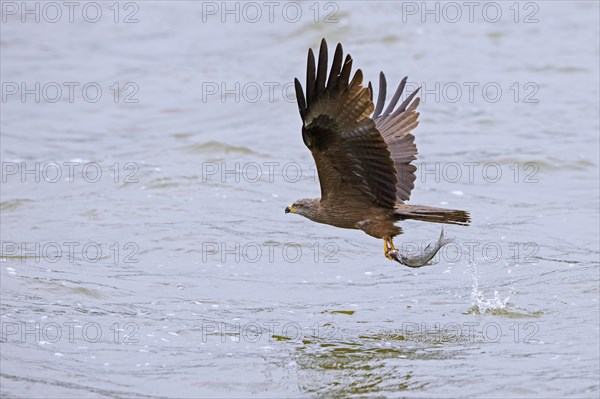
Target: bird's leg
column 388, row 246
column 392, row 247
column 386, row 249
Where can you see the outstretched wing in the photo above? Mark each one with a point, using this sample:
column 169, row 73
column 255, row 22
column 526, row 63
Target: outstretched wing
column 351, row 156
column 395, row 126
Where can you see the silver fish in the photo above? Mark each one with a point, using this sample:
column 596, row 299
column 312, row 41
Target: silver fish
column 424, row 257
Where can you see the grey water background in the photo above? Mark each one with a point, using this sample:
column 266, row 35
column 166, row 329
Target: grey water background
column 175, row 273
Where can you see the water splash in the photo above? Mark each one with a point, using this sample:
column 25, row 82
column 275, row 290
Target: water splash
column 481, row 303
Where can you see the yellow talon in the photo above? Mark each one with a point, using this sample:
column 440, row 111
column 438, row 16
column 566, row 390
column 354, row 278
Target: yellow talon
column 388, row 245
column 392, row 247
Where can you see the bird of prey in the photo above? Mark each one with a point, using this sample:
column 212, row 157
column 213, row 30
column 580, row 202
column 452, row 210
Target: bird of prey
column 363, row 155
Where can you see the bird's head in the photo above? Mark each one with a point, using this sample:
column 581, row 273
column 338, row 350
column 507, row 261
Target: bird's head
column 305, row 207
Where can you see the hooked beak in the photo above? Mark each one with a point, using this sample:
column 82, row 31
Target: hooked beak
column 290, row 208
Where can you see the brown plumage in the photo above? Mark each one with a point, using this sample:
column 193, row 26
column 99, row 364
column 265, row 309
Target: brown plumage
column 362, row 152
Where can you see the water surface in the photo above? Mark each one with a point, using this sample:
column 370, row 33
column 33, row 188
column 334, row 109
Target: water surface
column 175, row 272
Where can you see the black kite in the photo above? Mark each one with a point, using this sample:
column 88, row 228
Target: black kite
column 363, row 154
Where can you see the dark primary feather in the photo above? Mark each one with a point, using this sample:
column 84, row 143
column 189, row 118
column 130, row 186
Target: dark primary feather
column 381, row 96
column 336, row 68
column 310, row 76
column 352, row 157
column 322, row 70
column 396, row 97
column 345, row 73
column 300, row 98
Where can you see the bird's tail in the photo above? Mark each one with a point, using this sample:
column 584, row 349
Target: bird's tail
column 431, row 214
